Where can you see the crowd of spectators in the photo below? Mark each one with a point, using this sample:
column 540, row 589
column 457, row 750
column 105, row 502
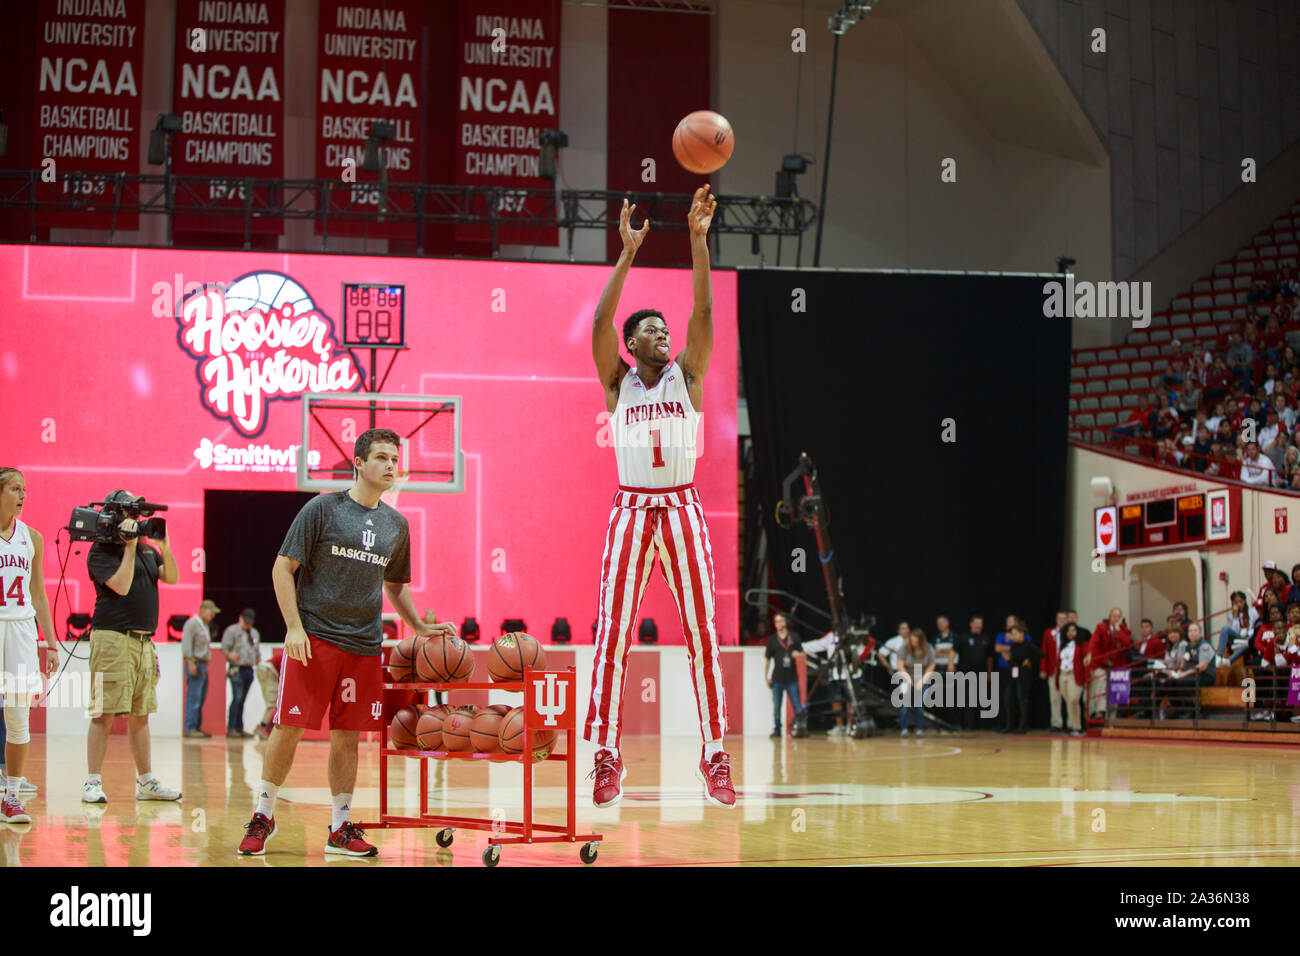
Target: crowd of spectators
column 1234, row 412
column 1259, row 636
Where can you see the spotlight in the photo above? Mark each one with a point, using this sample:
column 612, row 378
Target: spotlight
column 1063, row 264
column 469, row 630
column 513, row 625
column 550, row 141
column 792, row 165
column 648, row 633
column 160, row 138
column 380, row 133
column 560, row 631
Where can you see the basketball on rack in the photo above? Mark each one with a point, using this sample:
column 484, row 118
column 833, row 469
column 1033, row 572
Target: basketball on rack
column 484, row 731
column 401, row 660
column 428, row 731
column 511, row 653
column 444, row 660
column 512, row 736
column 501, row 709
column 403, row 728
column 455, row 731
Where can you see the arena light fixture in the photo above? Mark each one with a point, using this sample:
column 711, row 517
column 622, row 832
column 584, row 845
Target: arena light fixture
column 380, row 133
column 648, row 632
column 469, row 630
column 840, row 22
column 561, row 633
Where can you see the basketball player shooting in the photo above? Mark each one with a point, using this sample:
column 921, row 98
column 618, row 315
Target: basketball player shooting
column 348, row 549
column 655, row 412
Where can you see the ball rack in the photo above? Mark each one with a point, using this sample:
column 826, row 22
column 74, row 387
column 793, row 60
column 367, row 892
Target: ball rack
column 552, row 705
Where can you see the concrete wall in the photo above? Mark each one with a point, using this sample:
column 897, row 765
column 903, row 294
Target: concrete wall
column 1093, row 593
column 1185, row 90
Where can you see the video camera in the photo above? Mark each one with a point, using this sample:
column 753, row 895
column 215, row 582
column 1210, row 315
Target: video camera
column 101, row 521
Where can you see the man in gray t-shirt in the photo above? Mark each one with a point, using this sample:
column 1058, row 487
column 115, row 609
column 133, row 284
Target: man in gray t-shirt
column 196, row 640
column 344, row 552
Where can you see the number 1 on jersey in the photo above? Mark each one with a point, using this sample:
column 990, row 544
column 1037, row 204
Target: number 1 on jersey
column 656, row 444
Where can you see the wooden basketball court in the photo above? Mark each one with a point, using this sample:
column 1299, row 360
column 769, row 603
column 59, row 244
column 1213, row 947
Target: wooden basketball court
column 982, row 799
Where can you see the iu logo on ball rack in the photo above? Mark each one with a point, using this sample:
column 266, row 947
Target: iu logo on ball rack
column 551, row 698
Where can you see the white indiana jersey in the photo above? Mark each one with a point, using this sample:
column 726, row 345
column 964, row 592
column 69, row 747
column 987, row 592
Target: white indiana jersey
column 16, row 557
column 655, row 431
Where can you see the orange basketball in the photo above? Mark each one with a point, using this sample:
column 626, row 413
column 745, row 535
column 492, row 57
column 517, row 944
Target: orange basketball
column 511, row 653
column 401, row 660
column 428, row 731
column 483, row 732
column 501, row 709
column 402, row 730
column 511, row 735
column 703, row 141
column 444, row 660
column 455, row 731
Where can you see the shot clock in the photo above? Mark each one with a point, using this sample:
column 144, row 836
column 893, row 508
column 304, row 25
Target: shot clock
column 374, row 315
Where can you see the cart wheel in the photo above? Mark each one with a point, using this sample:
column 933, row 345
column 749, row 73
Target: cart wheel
column 588, row 853
column 445, row 836
column 492, row 856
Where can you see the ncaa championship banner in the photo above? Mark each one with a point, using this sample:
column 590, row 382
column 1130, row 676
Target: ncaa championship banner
column 89, row 54
column 229, row 92
column 508, row 92
column 369, row 61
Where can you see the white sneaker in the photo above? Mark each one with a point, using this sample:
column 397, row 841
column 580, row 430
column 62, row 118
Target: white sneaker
column 153, row 790
column 92, row 792
column 27, row 787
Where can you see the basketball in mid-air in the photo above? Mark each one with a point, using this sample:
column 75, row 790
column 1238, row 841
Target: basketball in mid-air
column 511, row 653
column 703, row 141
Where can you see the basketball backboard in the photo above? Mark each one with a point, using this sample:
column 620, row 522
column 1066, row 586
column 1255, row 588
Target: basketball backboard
column 428, row 426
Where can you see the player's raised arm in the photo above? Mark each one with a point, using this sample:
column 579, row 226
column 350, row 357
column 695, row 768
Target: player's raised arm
column 604, row 337
column 694, row 359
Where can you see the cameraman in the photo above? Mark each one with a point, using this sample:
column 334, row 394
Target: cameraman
column 125, row 573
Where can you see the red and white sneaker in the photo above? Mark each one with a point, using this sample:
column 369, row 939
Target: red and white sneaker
column 260, row 830
column 716, row 777
column 609, row 773
column 349, row 840
column 11, row 811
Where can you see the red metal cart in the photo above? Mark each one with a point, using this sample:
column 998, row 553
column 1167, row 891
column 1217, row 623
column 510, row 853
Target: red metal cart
column 551, row 704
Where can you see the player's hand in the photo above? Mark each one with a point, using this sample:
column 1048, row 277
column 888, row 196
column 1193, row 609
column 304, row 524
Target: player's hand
column 445, row 629
column 632, row 238
column 297, row 646
column 701, row 213
column 51, row 660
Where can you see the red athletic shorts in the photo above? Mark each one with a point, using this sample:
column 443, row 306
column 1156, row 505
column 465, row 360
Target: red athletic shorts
column 349, row 687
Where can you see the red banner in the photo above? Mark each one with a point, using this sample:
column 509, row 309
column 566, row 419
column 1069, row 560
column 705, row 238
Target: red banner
column 229, row 93
column 508, row 88
column 89, row 55
column 369, row 64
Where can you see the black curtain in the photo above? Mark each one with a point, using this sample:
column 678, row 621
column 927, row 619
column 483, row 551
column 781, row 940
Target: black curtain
column 862, row 381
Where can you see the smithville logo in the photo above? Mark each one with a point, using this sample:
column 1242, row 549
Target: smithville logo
column 251, row 457
column 1100, row 300
column 102, row 909
column 259, row 339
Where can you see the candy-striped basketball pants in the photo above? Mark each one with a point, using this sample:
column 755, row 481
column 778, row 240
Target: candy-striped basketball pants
column 667, row 523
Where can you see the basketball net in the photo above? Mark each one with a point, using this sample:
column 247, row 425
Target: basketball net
column 389, row 497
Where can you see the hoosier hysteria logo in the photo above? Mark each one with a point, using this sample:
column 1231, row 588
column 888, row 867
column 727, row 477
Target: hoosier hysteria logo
column 258, row 339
